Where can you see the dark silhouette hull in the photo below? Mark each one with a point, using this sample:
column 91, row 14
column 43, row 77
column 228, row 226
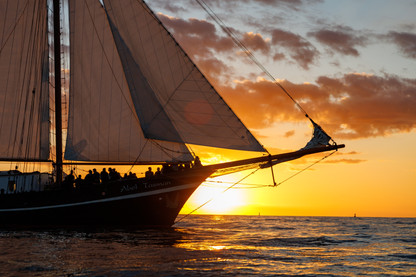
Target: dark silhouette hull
column 153, row 201
column 132, row 202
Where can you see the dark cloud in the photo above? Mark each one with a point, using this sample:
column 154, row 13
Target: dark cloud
column 341, row 39
column 190, row 27
column 302, row 51
column 405, row 41
column 278, row 56
column 256, row 42
column 200, row 38
column 197, row 37
column 291, row 4
column 289, row 133
column 172, row 6
column 351, row 153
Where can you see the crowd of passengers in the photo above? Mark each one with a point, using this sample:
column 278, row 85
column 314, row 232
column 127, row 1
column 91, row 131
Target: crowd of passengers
column 94, row 177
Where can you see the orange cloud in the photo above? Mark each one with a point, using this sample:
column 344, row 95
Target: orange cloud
column 289, row 133
column 256, row 42
column 353, row 106
column 348, row 161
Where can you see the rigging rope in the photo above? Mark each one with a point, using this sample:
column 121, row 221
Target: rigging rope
column 309, row 166
column 250, row 186
column 185, row 78
column 250, row 55
column 240, row 44
column 213, row 184
column 253, row 186
column 212, row 198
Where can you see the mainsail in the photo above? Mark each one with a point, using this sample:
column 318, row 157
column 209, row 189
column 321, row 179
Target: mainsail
column 24, row 76
column 135, row 95
column 103, row 125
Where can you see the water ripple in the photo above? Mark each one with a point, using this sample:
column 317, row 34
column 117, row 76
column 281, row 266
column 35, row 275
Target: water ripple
column 218, row 246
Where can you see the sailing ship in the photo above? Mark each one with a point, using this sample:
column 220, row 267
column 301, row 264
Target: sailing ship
column 135, row 98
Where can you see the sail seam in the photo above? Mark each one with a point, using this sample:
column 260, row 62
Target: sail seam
column 139, row 87
column 14, row 27
column 108, row 61
column 170, row 97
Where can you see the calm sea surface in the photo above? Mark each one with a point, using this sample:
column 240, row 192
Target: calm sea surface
column 219, row 245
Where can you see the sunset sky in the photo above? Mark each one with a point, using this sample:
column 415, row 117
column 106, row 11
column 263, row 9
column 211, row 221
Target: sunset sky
column 351, row 64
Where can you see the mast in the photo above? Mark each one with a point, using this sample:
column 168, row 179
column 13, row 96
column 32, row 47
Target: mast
column 58, row 109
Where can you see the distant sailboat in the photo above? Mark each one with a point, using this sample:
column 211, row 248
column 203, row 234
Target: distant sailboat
column 135, row 98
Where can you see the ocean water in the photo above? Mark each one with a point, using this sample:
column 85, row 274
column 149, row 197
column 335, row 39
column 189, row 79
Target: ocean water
column 202, row 245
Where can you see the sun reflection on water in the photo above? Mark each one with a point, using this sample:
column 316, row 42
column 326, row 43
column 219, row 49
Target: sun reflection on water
column 218, row 247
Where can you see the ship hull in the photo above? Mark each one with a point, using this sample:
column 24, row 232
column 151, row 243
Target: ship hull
column 136, row 202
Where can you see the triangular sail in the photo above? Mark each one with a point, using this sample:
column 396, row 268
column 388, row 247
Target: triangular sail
column 24, row 81
column 319, row 137
column 153, row 119
column 193, row 106
column 103, row 124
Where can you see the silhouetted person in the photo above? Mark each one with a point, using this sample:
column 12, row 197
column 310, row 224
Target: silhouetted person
column 149, row 173
column 117, row 174
column 165, row 169
column 158, row 172
column 104, row 176
column 113, row 174
column 78, row 182
column 69, row 180
column 132, row 175
column 96, row 176
column 89, row 178
column 70, row 177
column 110, row 173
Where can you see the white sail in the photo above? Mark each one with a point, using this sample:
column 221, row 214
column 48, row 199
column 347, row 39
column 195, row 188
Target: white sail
column 193, row 107
column 103, row 124
column 132, row 84
column 24, row 75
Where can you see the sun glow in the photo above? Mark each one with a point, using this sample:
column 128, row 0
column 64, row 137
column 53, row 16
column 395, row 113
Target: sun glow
column 213, row 198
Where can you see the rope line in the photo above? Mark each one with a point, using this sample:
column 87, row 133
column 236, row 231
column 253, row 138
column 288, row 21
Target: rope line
column 251, row 186
column 212, row 198
column 240, row 44
column 14, row 27
column 309, row 166
column 194, row 69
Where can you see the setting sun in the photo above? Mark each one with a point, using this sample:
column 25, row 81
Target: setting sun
column 212, row 198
